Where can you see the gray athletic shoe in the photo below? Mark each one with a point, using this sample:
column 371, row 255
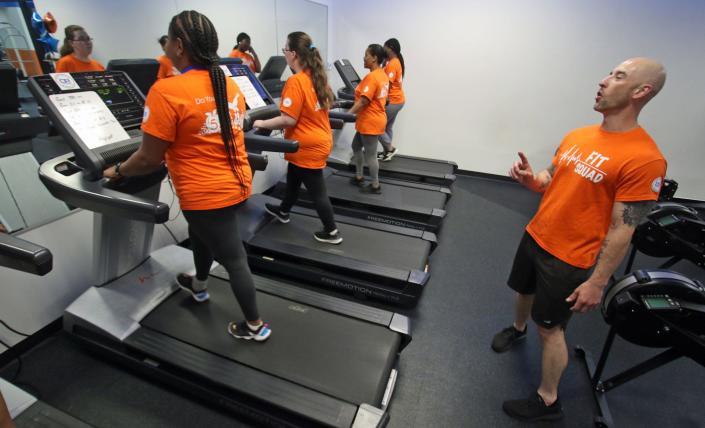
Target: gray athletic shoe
column 504, row 340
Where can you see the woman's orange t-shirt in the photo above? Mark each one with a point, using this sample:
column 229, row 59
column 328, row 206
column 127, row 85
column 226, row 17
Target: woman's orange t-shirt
column 182, row 110
column 166, row 67
column 246, row 58
column 394, row 73
column 71, row 64
column 372, row 119
column 312, row 129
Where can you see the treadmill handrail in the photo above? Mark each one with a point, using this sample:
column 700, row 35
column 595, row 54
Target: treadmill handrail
column 75, row 190
column 257, row 143
column 343, row 115
column 18, row 254
column 258, row 162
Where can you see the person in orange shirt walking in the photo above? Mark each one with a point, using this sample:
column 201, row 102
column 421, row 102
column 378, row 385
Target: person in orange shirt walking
column 370, row 98
column 76, row 52
column 166, row 67
column 194, row 122
column 305, row 101
column 244, row 50
column 395, row 72
column 602, row 182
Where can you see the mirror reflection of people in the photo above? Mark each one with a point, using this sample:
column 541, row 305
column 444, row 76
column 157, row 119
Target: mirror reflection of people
column 76, row 52
column 194, row 122
column 244, row 50
column 370, row 99
column 305, row 101
column 602, row 182
column 166, row 67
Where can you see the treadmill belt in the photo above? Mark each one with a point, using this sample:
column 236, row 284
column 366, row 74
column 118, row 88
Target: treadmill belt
column 333, row 354
column 393, row 196
column 359, row 243
column 400, row 162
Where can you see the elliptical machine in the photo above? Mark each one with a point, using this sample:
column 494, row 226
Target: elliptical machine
column 655, row 308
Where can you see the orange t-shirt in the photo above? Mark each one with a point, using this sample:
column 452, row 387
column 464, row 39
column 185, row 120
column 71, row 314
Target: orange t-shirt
column 182, row 110
column 71, row 64
column 372, row 119
column 593, row 169
column 246, row 58
column 166, row 67
column 394, row 72
column 312, row 129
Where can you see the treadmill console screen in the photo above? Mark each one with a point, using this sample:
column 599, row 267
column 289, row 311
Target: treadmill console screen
column 348, row 73
column 255, row 94
column 98, row 113
column 114, row 89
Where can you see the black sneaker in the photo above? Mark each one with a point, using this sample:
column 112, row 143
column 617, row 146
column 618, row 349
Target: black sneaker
column 328, row 237
column 504, row 340
column 369, row 188
column 241, row 330
column 533, row 409
column 186, row 283
column 389, row 155
column 277, row 212
column 380, row 155
column 357, row 181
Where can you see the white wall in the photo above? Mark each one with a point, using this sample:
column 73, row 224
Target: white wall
column 486, row 79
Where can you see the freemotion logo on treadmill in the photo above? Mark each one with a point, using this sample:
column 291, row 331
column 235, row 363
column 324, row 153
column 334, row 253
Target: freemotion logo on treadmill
column 298, row 308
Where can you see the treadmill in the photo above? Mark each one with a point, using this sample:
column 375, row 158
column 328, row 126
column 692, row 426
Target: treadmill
column 377, row 260
column 402, row 203
column 330, row 362
column 142, row 71
column 271, row 75
column 425, row 170
column 25, row 409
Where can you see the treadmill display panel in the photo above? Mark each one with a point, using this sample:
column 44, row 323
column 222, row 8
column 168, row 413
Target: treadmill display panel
column 114, row 89
column 252, row 88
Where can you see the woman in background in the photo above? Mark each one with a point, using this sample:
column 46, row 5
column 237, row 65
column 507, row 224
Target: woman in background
column 244, row 50
column 395, row 72
column 76, row 52
column 166, row 67
column 370, row 98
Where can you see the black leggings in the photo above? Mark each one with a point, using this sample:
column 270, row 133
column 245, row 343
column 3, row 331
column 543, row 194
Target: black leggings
column 214, row 235
column 316, row 186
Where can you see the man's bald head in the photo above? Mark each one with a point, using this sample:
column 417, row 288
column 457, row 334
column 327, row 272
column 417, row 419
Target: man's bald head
column 646, row 73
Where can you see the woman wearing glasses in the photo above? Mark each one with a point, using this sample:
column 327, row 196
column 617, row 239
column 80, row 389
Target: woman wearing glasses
column 305, row 101
column 76, row 52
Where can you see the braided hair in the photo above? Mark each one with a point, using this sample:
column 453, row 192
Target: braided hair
column 66, row 48
column 310, row 60
column 200, row 40
column 394, row 45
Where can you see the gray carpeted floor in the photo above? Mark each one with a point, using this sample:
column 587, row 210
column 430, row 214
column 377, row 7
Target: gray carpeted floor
column 449, row 377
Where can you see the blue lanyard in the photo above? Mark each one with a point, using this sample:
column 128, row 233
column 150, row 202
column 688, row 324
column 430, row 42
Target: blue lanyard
column 192, row 67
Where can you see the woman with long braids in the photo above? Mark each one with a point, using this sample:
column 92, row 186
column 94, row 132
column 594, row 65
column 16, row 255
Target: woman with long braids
column 395, row 71
column 370, row 98
column 76, row 52
column 194, row 122
column 305, row 101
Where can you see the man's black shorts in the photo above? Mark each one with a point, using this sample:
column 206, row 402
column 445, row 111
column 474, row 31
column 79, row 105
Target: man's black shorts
column 551, row 280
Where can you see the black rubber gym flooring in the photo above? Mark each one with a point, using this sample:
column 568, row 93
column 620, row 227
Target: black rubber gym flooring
column 449, row 377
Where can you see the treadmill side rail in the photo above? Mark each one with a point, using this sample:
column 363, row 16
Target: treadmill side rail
column 370, row 417
column 402, row 325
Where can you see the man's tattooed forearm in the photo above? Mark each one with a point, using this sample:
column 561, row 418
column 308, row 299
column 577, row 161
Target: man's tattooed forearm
column 634, row 212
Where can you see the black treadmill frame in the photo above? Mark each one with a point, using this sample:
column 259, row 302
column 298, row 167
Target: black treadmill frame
column 216, row 379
